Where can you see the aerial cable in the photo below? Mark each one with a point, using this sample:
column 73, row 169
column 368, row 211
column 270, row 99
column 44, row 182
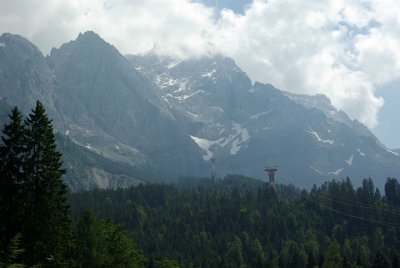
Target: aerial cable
column 383, row 223
column 359, row 204
column 362, row 218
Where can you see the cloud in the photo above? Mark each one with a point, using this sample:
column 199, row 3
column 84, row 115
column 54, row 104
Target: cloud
column 346, row 49
column 174, row 27
column 313, row 46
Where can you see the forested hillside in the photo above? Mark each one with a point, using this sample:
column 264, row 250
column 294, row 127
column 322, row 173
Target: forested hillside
column 198, row 222
column 239, row 222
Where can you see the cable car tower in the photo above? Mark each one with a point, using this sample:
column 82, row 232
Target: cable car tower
column 213, row 169
column 271, row 173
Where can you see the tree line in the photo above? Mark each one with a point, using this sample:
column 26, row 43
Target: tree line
column 241, row 222
column 198, row 222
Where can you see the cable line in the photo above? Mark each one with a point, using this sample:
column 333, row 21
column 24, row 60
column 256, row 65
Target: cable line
column 362, row 218
column 350, row 215
column 363, row 205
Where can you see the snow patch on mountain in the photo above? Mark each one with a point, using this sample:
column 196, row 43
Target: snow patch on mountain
column 295, row 98
column 237, row 141
column 182, row 86
column 184, row 97
column 209, row 74
column 218, row 108
column 2, row 44
column 316, row 170
column 241, row 131
column 337, row 172
column 173, row 63
column 350, row 161
column 163, row 83
column 361, row 153
column 316, row 135
column 241, row 136
column 235, row 147
column 205, row 145
column 192, row 115
column 172, row 82
column 256, row 116
column 390, row 151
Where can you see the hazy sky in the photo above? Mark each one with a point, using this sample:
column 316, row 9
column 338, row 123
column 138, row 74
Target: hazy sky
column 346, row 49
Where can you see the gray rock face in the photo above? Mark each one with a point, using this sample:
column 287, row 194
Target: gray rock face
column 247, row 127
column 24, row 75
column 121, row 120
column 100, row 91
column 101, row 103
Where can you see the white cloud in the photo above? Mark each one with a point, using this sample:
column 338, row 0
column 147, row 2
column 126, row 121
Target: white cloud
column 175, row 27
column 342, row 48
column 314, row 46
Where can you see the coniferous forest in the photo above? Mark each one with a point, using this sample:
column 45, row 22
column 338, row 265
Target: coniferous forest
column 231, row 222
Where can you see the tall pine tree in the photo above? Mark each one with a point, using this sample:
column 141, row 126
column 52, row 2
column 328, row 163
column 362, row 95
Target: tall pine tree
column 47, row 232
column 12, row 150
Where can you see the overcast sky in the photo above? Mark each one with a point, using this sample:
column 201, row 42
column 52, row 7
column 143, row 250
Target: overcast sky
column 346, row 49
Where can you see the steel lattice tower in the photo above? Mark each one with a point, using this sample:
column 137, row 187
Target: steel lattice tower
column 271, row 173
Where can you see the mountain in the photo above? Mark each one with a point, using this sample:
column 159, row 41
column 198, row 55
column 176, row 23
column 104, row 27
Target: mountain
column 98, row 101
column 88, row 169
column 122, row 120
column 99, row 92
column 25, row 75
column 247, row 127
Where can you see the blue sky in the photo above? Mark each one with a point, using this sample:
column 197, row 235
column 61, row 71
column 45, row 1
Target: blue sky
column 238, row 6
column 348, row 50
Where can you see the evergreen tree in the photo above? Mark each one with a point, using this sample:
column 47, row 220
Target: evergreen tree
column 333, row 257
column 12, row 253
column 47, row 230
column 11, row 178
column 380, row 261
column 104, row 244
column 392, row 191
column 235, row 252
column 90, row 240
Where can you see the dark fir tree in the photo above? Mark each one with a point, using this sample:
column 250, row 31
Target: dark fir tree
column 101, row 243
column 47, row 232
column 11, row 178
column 392, row 191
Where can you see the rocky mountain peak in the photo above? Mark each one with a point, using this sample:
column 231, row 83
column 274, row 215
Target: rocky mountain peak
column 14, row 44
column 205, row 66
column 24, row 74
column 87, row 47
column 89, row 36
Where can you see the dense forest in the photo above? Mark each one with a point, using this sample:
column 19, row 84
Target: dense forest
column 240, row 222
column 197, row 222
